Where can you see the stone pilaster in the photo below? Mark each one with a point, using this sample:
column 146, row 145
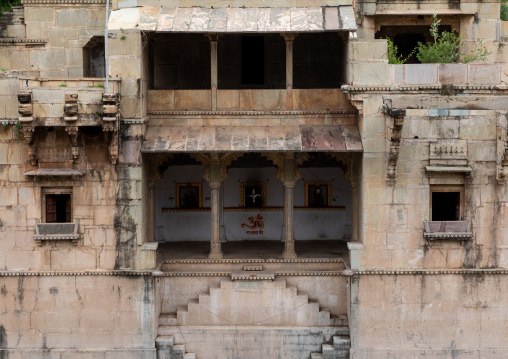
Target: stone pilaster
column 290, row 176
column 215, row 212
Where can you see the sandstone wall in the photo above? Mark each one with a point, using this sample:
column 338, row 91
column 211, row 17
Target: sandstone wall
column 393, row 215
column 69, row 316
column 429, row 316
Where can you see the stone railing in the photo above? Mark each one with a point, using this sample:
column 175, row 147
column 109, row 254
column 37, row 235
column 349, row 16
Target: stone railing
column 447, row 231
column 56, row 232
column 251, row 100
column 446, row 74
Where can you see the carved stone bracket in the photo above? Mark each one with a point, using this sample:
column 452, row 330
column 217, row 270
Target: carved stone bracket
column 113, row 148
column 25, row 107
column 71, row 107
column 395, row 133
column 73, row 132
column 110, row 121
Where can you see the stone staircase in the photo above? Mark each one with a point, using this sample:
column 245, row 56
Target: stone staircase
column 165, row 342
column 338, row 350
column 285, row 320
column 254, row 303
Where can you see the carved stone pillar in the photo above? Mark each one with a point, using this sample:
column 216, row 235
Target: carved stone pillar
column 214, row 38
column 215, row 212
column 289, row 60
column 290, row 176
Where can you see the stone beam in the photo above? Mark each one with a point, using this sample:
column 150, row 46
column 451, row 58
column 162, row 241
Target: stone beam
column 498, row 103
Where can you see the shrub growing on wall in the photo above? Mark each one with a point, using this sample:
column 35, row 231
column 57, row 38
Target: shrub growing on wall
column 393, row 54
column 504, row 10
column 6, row 5
column 446, row 48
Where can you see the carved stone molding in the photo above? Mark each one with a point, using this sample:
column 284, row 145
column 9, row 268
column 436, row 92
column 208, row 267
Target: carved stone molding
column 226, row 160
column 75, row 273
column 395, row 133
column 430, row 271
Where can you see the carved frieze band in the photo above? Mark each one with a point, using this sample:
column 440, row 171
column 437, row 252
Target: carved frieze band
column 431, row 272
column 121, row 273
column 241, row 261
column 62, row 2
column 248, row 113
column 75, row 273
column 14, row 42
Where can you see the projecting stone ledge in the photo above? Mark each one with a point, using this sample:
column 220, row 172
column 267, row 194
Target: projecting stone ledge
column 56, row 232
column 249, row 275
column 55, row 172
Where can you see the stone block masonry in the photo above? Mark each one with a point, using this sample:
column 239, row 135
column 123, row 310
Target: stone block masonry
column 72, row 315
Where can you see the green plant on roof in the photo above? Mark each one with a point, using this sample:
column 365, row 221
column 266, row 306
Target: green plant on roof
column 6, row 5
column 393, row 54
column 504, row 10
column 446, row 48
column 62, row 85
column 99, row 85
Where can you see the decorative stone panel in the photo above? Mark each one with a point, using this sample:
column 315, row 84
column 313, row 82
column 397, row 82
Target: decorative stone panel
column 448, row 153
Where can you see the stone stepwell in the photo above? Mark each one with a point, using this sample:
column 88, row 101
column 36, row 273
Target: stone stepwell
column 252, row 320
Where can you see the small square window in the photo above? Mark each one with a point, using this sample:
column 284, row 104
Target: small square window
column 317, row 194
column 447, row 203
column 57, row 206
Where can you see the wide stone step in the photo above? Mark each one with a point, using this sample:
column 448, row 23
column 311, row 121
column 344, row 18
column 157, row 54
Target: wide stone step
column 189, row 356
column 341, row 342
column 316, row 356
column 166, row 340
column 167, row 330
column 168, row 319
column 339, row 320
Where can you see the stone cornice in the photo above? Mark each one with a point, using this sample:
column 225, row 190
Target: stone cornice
column 430, row 271
column 250, row 113
column 62, row 2
column 351, row 89
column 75, row 273
column 240, row 261
column 259, row 276
column 21, row 41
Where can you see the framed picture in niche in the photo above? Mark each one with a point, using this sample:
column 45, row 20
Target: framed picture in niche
column 253, row 194
column 317, row 194
column 188, row 195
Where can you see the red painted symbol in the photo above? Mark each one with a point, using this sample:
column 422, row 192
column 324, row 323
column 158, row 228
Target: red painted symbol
column 254, row 222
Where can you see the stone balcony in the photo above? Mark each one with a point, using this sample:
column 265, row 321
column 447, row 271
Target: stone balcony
column 447, row 231
column 274, row 107
column 56, row 232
